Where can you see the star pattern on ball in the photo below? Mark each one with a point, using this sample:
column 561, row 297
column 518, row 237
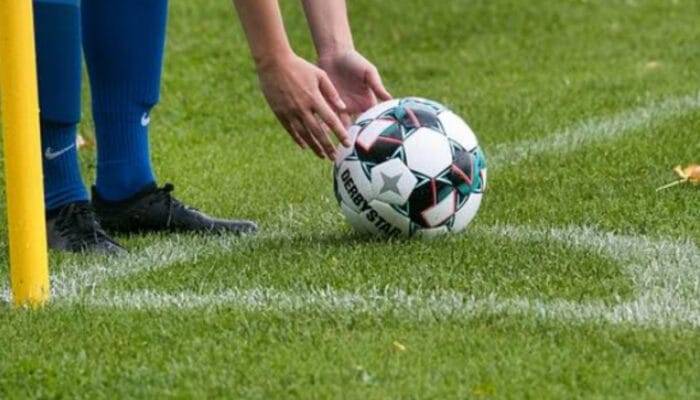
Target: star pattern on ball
column 390, row 183
column 415, row 168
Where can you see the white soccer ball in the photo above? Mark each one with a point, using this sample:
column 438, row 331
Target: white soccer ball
column 415, row 168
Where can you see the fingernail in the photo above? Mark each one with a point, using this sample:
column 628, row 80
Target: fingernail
column 341, row 104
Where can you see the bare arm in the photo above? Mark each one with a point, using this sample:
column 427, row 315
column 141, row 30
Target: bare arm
column 300, row 94
column 330, row 28
column 263, row 26
column 357, row 80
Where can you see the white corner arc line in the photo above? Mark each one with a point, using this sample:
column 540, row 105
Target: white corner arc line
column 665, row 276
column 85, row 275
column 665, row 273
column 594, row 130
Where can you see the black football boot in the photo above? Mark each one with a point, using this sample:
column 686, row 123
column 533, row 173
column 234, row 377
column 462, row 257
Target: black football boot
column 154, row 209
column 74, row 227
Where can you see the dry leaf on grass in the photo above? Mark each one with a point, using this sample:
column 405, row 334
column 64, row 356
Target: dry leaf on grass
column 398, row 346
column 691, row 174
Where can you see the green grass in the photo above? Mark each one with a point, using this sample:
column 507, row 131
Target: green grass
column 479, row 268
column 517, row 71
column 228, row 353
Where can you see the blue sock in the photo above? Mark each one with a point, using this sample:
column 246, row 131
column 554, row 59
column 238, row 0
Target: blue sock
column 123, row 42
column 62, row 181
column 57, row 34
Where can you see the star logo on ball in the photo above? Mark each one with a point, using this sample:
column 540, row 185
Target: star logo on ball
column 391, row 183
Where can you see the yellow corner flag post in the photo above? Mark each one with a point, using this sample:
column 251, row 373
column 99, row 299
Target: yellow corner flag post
column 23, row 176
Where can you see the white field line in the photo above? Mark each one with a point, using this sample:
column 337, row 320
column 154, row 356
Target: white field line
column 86, row 277
column 594, row 130
column 420, row 306
column 83, row 277
column 666, row 275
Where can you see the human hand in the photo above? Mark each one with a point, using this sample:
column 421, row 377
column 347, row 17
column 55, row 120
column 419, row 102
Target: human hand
column 357, row 81
column 306, row 103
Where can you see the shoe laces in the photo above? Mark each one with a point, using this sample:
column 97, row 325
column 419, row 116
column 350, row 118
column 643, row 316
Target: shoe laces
column 164, row 194
column 79, row 224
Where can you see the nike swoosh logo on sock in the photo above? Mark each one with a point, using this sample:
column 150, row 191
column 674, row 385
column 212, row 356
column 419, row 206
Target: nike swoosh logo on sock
column 50, row 154
column 145, row 119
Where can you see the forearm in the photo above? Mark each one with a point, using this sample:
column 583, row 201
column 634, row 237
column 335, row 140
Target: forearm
column 330, row 28
column 264, row 29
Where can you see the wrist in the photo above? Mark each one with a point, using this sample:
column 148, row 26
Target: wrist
column 334, row 49
column 271, row 57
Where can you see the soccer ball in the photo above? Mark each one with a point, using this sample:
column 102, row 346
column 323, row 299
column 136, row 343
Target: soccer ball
column 415, row 168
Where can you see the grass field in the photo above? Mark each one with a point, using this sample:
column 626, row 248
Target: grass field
column 576, row 279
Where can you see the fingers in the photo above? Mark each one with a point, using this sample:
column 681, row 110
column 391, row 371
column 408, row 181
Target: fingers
column 330, row 93
column 330, row 118
column 299, row 127
column 296, row 136
column 314, row 128
column 311, row 129
column 345, row 119
column 374, row 81
column 309, row 109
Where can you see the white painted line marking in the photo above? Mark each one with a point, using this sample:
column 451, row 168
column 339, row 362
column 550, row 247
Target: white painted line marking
column 594, row 130
column 665, row 274
column 437, row 304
